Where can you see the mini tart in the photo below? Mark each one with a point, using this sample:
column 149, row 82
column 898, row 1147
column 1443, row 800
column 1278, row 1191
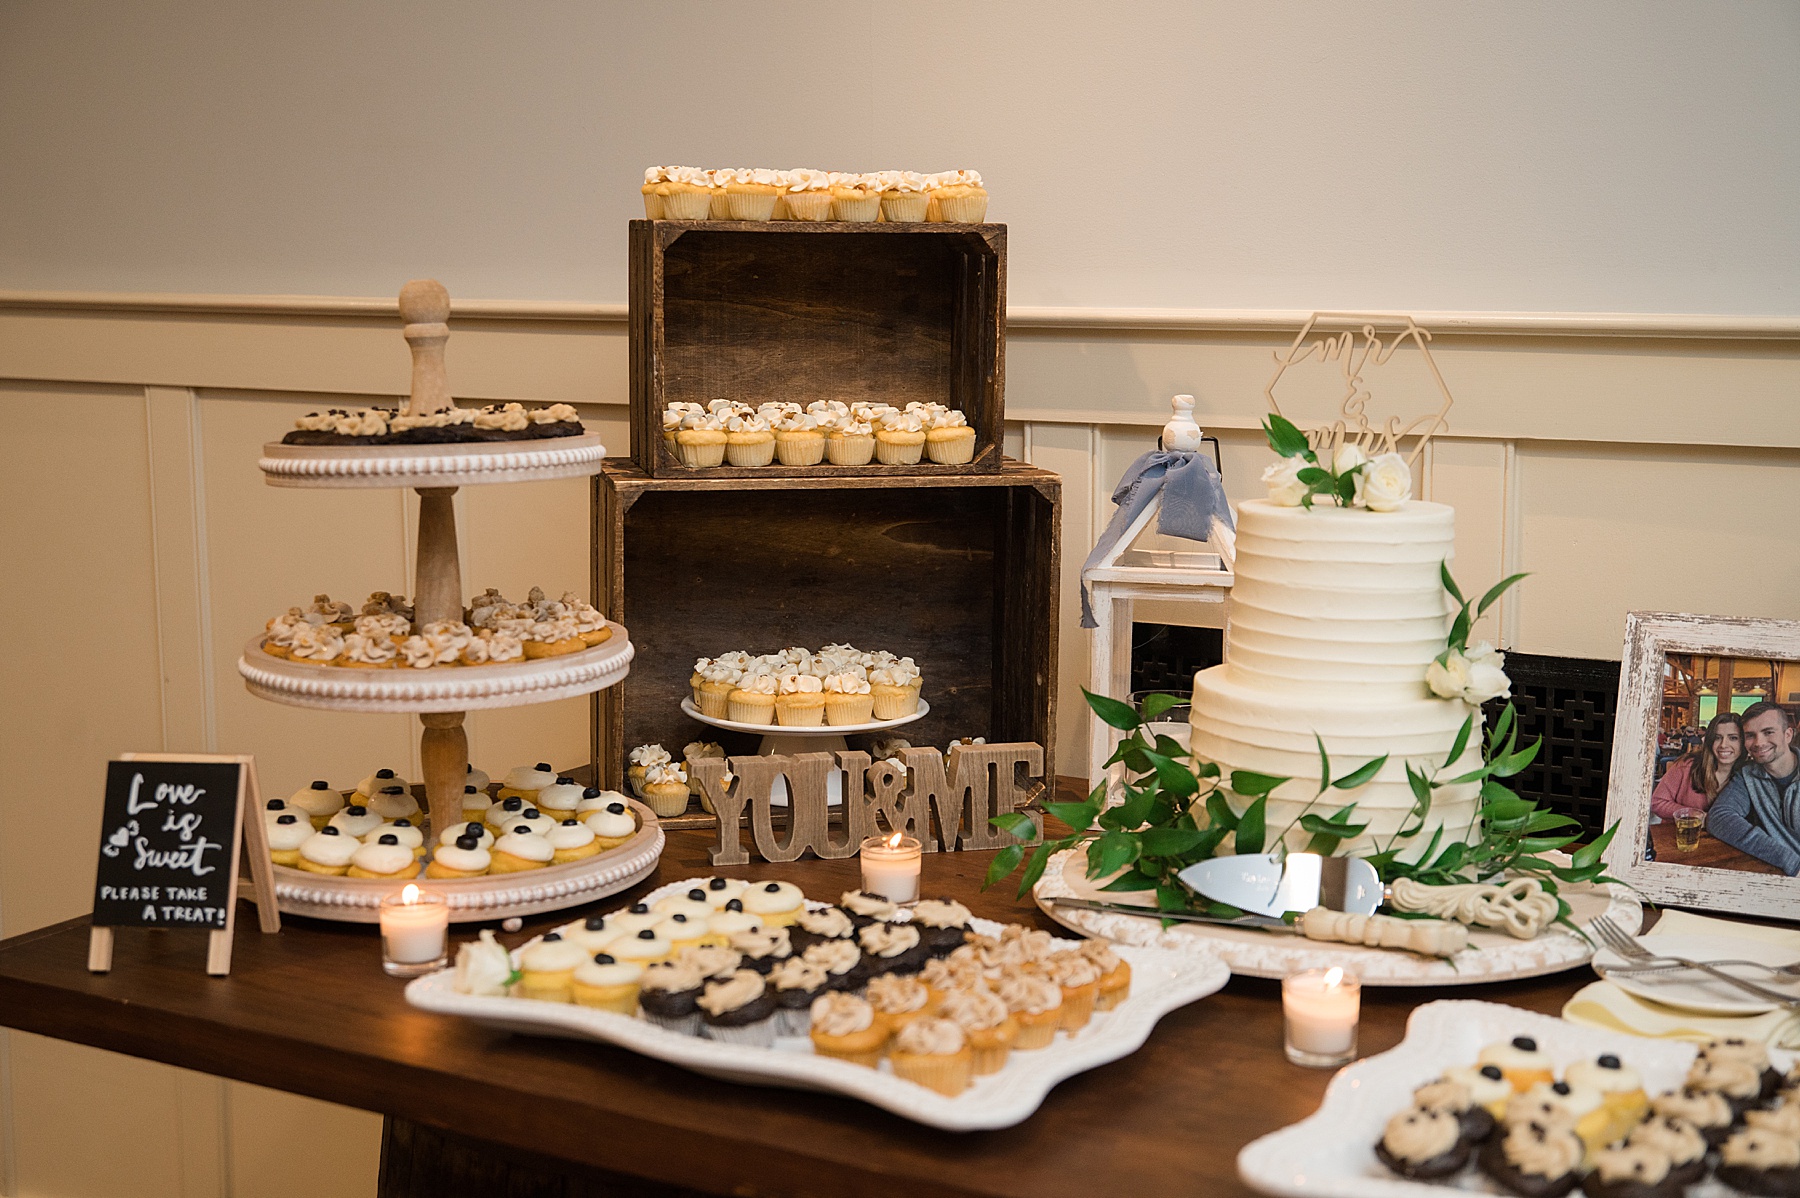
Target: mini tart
column 524, row 781
column 475, row 804
column 1520, row 1060
column 1758, row 1161
column 935, row 1054
column 517, row 852
column 536, row 649
column 327, row 851
column 317, row 802
column 572, row 840
column 387, row 859
column 286, row 834
column 456, row 861
column 606, row 984
column 612, row 826
column 668, row 995
column 1423, row 1145
column 643, row 947
column 739, row 1009
column 847, row 1028
column 986, row 1021
column 1534, row 1161
column 1036, row 1006
column 778, row 904
column 547, row 968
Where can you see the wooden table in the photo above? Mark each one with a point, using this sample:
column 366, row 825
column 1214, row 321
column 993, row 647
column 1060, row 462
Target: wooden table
column 1711, row 852
column 309, row 1011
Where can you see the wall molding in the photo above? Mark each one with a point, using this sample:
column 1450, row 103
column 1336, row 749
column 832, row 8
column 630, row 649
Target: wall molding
column 1637, row 325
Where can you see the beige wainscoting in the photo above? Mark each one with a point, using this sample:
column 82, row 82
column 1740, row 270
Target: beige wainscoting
column 1627, row 462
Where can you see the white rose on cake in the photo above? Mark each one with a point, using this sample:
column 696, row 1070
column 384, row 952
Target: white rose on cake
column 1474, row 675
column 484, row 967
column 1283, row 480
column 1347, row 458
column 1448, row 675
column 1383, row 484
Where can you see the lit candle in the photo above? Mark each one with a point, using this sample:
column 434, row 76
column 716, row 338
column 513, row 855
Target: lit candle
column 890, row 867
column 415, row 927
column 1321, row 1009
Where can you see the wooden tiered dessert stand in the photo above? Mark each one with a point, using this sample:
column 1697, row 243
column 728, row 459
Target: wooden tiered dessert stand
column 441, row 695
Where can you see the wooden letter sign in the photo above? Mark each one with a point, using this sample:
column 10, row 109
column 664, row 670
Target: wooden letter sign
column 169, row 851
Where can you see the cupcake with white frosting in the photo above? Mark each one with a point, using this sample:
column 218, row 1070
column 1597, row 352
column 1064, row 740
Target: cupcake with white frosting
column 484, row 835
column 386, row 858
column 853, row 199
column 393, row 802
column 851, row 441
column 749, row 441
column 935, row 1053
column 751, row 194
column 286, row 834
column 518, row 852
column 799, row 441
column 355, row 821
column 807, row 194
column 572, row 840
column 547, row 968
column 524, row 781
column 607, row 984
column 465, row 858
column 318, row 802
column 404, row 831
column 904, row 197
column 799, row 701
column 665, row 789
column 327, row 851
column 957, row 197
column 612, row 824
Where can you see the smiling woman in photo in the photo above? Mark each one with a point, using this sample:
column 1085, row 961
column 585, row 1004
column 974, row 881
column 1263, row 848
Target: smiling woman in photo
column 1692, row 783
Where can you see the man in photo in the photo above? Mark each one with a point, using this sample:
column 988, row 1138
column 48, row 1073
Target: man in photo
column 1759, row 809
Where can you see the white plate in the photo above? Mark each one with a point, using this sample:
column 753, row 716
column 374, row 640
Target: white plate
column 693, row 712
column 1490, row 957
column 1691, row 990
column 464, row 464
column 1160, row 982
column 1332, row 1150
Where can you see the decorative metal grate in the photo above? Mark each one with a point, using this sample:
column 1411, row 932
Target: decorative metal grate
column 1570, row 702
column 1165, row 657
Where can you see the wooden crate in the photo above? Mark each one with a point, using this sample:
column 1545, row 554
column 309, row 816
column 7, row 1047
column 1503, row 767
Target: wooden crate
column 960, row 574
column 799, row 311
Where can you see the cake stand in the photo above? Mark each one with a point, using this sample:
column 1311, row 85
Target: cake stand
column 439, row 695
column 826, row 738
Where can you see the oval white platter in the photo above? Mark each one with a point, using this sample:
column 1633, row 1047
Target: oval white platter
column 1490, row 957
column 1160, row 982
column 464, row 465
column 441, row 688
column 498, row 896
column 692, row 712
column 1331, row 1152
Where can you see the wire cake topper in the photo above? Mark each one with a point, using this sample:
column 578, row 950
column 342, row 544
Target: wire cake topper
column 1357, row 343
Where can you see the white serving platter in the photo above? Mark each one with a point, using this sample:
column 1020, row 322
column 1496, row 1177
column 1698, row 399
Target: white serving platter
column 464, row 465
column 1331, row 1152
column 782, row 730
column 1160, row 982
column 1491, row 956
column 441, row 688
column 1691, row 990
column 472, row 900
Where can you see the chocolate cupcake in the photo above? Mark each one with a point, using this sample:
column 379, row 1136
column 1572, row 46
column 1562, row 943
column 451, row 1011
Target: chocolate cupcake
column 842, row 961
column 891, row 948
column 823, row 923
column 796, row 982
column 1708, row 1113
column 1631, row 1171
column 1456, row 1098
column 739, row 1009
column 1423, row 1145
column 943, row 925
column 1737, row 1079
column 1750, row 1052
column 865, row 908
column 711, row 960
column 1676, row 1139
column 1758, row 1161
column 1533, row 1160
column 669, row 994
column 762, row 950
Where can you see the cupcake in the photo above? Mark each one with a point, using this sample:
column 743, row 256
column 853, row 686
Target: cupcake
column 799, row 441
column 1621, row 1090
column 517, row 852
column 958, row 197
column 1756, row 1161
column 682, row 931
column 713, row 697
column 777, row 903
column 530, row 820
column 691, row 902
column 903, row 197
column 607, row 984
column 808, row 195
column 668, row 994
column 1080, row 982
column 1751, row 1052
column 612, row 825
column 593, row 933
column 547, row 968
column 751, row 194
column 852, row 200
column 949, row 441
column 1423, row 1145
column 850, row 442
column 865, row 908
column 731, row 919
column 1035, row 1003
column 700, row 750
column 1531, row 1159
column 643, row 947
column 475, row 804
column 636, row 918
column 1115, row 973
column 594, row 799
column 941, row 975
column 654, row 177
column 943, row 925
column 799, row 701
column 702, row 446
column 1707, row 1112
column 1486, row 1084
column 571, row 840
column 1738, row 1080
column 900, row 439
column 524, row 781
column 847, row 700
column 685, row 193
column 464, row 859
column 1678, row 1140
column 404, row 831
column 289, row 831
column 1456, row 1098
column 749, row 441
column 1631, row 1171
column 356, row 821
column 482, row 834
column 895, row 688
column 900, row 999
column 796, row 984
column 317, row 802
column 820, row 923
column 934, row 1053
column 739, row 1010
column 640, row 760
column 373, row 785
column 720, row 891
column 987, row 1021
column 1783, row 1120
column 386, row 858
column 666, row 789
column 762, row 950
column 891, row 948
column 752, row 701
column 712, row 960
column 506, row 811
column 846, row 1028
column 841, row 960
column 394, row 802
column 560, row 800
column 1520, row 1061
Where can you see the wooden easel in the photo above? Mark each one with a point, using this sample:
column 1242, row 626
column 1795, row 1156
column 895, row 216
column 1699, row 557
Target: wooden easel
column 251, row 834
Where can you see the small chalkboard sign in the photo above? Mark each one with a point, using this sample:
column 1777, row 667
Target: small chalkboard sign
column 169, row 850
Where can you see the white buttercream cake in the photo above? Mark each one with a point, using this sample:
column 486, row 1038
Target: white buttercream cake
column 1335, row 615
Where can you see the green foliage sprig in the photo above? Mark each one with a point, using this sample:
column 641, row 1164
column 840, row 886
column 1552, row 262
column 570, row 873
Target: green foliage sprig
column 1320, row 479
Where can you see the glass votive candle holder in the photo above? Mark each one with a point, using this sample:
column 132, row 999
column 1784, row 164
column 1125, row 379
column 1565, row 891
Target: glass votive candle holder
column 415, row 932
column 890, row 867
column 1320, row 1010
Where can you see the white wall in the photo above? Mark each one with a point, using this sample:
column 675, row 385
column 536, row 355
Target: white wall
column 1608, row 155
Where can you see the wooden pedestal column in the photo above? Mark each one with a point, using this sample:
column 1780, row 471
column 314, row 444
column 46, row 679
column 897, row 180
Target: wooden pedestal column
column 437, row 591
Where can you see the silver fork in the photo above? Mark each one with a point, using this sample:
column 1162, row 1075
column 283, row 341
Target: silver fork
column 1627, row 946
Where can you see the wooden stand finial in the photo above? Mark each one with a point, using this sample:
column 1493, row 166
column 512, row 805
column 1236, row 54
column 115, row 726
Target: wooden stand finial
column 425, row 310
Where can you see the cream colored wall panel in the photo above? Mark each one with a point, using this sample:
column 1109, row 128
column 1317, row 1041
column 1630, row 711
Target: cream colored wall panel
column 1071, row 452
column 93, row 1124
column 78, row 530
column 271, row 548
column 183, row 605
column 1471, row 477
column 1606, row 531
column 286, row 1146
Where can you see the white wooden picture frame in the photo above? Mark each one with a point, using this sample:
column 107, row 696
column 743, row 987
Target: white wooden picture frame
column 1649, row 638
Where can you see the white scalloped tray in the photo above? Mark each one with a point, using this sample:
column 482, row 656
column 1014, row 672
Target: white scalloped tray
column 502, row 896
column 1160, row 982
column 692, row 712
column 441, row 688
column 1331, row 1152
column 430, row 465
column 1490, row 957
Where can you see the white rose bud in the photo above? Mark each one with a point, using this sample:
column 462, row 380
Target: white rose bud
column 1348, row 457
column 1487, row 675
column 1283, row 481
column 1448, row 677
column 1384, row 484
column 483, row 967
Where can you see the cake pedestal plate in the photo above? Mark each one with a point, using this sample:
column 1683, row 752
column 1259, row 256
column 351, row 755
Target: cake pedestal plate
column 826, row 738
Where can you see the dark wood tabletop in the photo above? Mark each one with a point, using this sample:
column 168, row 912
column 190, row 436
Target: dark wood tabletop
column 309, row 1011
column 1710, row 852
